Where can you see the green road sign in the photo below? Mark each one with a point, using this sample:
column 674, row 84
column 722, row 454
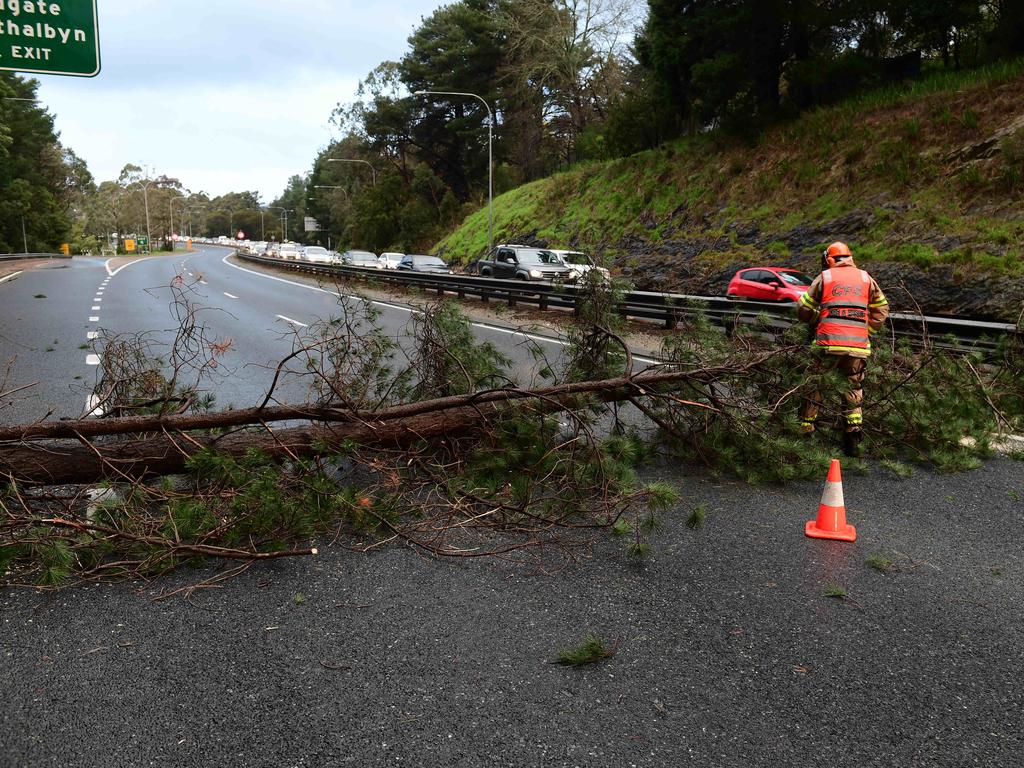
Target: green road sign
column 142, row 240
column 50, row 38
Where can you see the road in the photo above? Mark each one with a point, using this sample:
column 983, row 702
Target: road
column 729, row 652
column 51, row 314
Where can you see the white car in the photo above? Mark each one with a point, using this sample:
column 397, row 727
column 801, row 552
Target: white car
column 580, row 264
column 290, row 251
column 317, row 255
column 390, row 259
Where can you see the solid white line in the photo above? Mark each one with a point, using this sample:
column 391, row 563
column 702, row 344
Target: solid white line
column 94, row 319
column 10, row 277
column 230, row 296
column 92, row 335
column 293, row 322
column 111, row 274
column 485, row 326
column 92, row 359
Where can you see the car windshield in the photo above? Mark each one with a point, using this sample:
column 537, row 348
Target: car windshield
column 428, row 261
column 317, row 251
column 287, row 247
column 361, row 255
column 537, row 256
column 576, row 258
column 796, row 278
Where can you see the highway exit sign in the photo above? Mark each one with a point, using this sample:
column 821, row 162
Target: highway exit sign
column 50, row 38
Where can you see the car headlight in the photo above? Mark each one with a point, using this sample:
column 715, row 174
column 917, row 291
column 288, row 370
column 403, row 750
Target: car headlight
column 536, row 273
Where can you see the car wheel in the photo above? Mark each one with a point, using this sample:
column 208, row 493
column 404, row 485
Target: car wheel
column 485, row 272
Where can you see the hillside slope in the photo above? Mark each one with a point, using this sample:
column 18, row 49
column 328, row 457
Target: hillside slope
column 926, row 183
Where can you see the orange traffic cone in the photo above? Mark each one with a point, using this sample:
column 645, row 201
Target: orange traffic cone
column 831, row 522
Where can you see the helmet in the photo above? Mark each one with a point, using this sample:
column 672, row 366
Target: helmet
column 835, row 252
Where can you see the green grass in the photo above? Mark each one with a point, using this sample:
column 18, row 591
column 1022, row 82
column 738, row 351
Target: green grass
column 590, row 651
column 826, row 164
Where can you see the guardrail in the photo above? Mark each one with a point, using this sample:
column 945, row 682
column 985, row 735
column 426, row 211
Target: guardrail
column 22, row 256
column 665, row 308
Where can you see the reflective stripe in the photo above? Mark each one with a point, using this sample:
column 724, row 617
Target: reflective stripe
column 876, row 304
column 807, row 301
column 832, row 496
column 840, row 337
column 855, row 418
column 847, row 321
column 847, row 305
column 837, row 348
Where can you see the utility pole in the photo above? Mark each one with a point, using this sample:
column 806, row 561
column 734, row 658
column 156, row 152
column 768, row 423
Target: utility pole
column 24, row 237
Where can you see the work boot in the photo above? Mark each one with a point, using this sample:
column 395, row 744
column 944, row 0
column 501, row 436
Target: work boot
column 851, row 443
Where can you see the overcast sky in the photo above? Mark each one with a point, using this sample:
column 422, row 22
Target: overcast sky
column 225, row 95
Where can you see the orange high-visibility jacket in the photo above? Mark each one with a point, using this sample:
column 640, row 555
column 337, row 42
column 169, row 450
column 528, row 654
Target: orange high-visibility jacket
column 845, row 305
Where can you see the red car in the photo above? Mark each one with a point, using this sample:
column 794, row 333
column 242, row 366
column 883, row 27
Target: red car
column 768, row 284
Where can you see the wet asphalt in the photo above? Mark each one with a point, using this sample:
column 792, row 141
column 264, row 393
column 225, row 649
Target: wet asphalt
column 728, row 651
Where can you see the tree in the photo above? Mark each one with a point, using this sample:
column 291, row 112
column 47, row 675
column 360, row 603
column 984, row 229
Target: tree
column 40, row 181
column 458, row 48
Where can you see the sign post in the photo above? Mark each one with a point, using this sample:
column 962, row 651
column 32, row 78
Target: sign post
column 45, row 37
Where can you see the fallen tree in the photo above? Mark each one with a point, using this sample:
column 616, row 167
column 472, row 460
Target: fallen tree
column 74, row 451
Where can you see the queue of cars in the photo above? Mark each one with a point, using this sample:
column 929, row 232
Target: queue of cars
column 528, row 263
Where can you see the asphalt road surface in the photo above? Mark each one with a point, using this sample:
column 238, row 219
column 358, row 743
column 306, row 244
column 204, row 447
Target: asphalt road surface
column 728, row 651
column 50, row 315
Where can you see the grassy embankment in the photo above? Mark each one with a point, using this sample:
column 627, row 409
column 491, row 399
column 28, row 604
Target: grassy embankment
column 924, row 175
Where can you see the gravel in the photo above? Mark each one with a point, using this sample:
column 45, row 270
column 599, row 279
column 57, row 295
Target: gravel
column 728, row 652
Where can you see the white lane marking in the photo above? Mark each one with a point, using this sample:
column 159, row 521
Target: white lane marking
column 293, row 322
column 10, row 277
column 93, row 407
column 92, row 359
column 92, row 335
column 111, row 274
column 410, row 310
column 96, row 308
column 203, row 282
column 94, row 319
column 230, row 296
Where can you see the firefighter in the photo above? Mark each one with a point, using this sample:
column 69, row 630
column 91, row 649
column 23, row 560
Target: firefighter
column 844, row 307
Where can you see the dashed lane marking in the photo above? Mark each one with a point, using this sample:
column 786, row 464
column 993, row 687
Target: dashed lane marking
column 92, row 335
column 94, row 319
column 96, row 308
column 92, row 359
column 10, row 277
column 293, row 322
column 93, row 407
column 229, row 295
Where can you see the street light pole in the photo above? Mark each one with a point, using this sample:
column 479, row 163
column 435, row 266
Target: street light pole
column 364, row 162
column 490, row 155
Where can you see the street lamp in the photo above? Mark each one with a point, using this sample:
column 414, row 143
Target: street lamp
column 490, row 155
column 286, row 212
column 364, row 162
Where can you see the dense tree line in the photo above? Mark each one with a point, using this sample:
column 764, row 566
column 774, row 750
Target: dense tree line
column 43, row 185
column 576, row 80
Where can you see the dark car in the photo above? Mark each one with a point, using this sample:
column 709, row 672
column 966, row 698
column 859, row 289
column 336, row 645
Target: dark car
column 364, row 259
column 521, row 262
column 768, row 284
column 417, row 263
